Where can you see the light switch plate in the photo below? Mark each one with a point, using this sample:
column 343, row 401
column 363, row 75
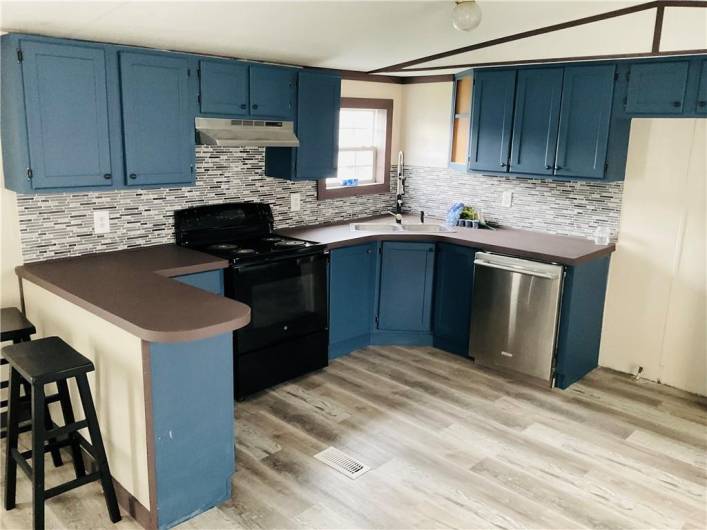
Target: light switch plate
column 507, row 199
column 295, row 202
column 101, row 221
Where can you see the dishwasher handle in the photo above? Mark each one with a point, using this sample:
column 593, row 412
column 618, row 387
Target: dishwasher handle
column 516, row 268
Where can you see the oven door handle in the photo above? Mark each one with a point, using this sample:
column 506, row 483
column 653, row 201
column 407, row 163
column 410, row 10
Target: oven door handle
column 299, row 258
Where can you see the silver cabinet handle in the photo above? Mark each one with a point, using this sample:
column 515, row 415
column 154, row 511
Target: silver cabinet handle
column 519, row 270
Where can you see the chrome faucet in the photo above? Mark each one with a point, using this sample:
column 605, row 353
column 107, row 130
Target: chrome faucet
column 400, row 190
column 398, row 217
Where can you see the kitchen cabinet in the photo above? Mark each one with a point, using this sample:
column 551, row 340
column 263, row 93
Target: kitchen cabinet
column 224, row 87
column 535, row 121
column 67, row 126
column 453, row 285
column 352, row 280
column 405, row 291
column 701, row 107
column 241, row 89
column 657, row 87
column 585, row 118
column 158, row 119
column 317, row 127
column 491, row 120
column 273, row 91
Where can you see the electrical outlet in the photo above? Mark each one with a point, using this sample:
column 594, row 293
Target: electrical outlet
column 295, row 202
column 507, row 199
column 101, row 221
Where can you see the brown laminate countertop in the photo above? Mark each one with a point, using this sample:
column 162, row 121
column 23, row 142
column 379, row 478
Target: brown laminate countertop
column 133, row 290
column 565, row 250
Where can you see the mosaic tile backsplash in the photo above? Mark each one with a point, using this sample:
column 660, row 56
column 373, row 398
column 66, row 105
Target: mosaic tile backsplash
column 567, row 208
column 61, row 224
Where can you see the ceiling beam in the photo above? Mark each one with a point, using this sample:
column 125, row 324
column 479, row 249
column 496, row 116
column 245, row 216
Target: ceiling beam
column 638, row 55
column 658, row 28
column 661, row 4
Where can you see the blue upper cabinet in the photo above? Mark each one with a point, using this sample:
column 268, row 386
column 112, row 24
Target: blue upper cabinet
column 352, row 280
column 535, row 121
column 405, row 297
column 273, row 91
column 225, row 87
column 453, row 285
column 587, row 97
column 491, row 120
column 701, row 107
column 657, row 88
column 66, row 102
column 158, row 119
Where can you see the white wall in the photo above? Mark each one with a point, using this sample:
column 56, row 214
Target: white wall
column 426, row 111
column 655, row 307
column 10, row 250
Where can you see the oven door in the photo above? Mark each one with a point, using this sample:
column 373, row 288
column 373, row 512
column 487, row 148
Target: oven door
column 287, row 297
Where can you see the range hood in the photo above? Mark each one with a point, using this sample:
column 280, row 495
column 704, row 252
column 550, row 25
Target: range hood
column 233, row 133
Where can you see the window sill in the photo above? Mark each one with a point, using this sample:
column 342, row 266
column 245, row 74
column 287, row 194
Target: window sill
column 324, row 193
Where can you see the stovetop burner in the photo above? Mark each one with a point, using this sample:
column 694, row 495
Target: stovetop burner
column 290, row 243
column 271, row 239
column 222, row 246
column 245, row 251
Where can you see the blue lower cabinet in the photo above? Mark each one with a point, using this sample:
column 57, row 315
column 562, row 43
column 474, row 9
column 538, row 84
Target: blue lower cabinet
column 453, row 286
column 581, row 314
column 657, row 88
column 352, row 281
column 192, row 420
column 405, row 293
column 159, row 108
column 211, row 281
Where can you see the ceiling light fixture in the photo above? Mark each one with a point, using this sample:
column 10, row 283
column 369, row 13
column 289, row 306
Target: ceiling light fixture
column 466, row 15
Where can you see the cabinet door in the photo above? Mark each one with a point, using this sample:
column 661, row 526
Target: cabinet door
column 453, row 285
column 318, row 102
column 535, row 121
column 407, row 272
column 158, row 119
column 272, row 91
column 491, row 119
column 657, row 88
column 66, row 101
column 587, row 97
column 702, row 90
column 224, row 87
column 352, row 276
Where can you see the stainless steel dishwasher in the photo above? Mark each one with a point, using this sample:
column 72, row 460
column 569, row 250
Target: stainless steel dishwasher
column 514, row 315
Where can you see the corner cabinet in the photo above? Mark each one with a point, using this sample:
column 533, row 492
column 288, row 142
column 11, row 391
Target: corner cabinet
column 657, row 88
column 317, row 127
column 352, row 281
column 158, row 124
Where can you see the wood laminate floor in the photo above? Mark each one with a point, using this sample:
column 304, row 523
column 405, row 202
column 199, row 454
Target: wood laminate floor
column 450, row 446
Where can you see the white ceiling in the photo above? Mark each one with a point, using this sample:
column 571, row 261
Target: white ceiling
column 353, row 35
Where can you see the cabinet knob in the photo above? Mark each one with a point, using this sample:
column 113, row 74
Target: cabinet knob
column 255, row 106
column 107, row 176
column 132, row 176
column 548, row 166
column 702, row 103
column 369, row 251
column 244, row 106
column 557, row 168
column 676, row 104
column 503, row 164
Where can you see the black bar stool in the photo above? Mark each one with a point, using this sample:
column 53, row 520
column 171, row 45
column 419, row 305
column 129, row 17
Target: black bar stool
column 16, row 328
column 40, row 362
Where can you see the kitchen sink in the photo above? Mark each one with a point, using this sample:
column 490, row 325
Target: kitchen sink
column 412, row 228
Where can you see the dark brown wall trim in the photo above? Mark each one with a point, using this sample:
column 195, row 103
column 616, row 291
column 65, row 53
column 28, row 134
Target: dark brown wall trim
column 540, row 31
column 658, row 28
column 415, row 79
column 133, row 506
column 364, row 103
column 646, row 55
column 353, row 75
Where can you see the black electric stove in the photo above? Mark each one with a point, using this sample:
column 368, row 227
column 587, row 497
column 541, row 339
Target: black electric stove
column 283, row 280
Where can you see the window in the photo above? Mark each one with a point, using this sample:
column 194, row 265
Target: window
column 365, row 127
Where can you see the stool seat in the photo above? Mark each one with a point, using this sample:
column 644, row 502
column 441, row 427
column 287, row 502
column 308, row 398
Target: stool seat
column 46, row 360
column 14, row 326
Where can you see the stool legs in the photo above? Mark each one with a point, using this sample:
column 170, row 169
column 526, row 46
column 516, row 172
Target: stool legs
column 38, row 435
column 12, row 438
column 68, row 413
column 97, row 443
